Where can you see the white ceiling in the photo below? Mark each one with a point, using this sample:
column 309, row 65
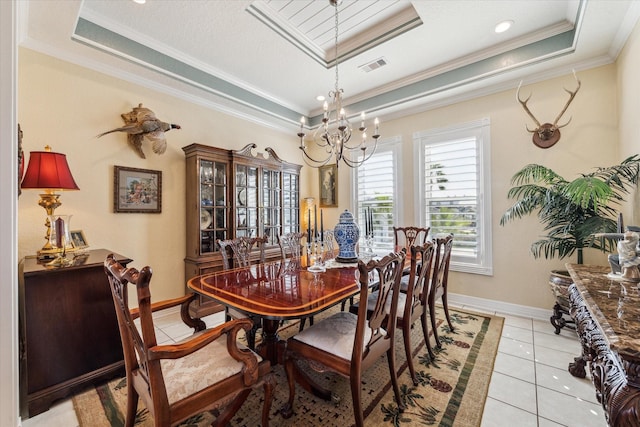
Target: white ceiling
column 267, row 60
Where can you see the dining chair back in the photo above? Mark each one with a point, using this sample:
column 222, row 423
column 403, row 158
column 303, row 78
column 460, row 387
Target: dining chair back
column 405, row 237
column 291, row 246
column 208, row 371
column 241, row 251
column 349, row 343
column 439, row 280
column 412, row 302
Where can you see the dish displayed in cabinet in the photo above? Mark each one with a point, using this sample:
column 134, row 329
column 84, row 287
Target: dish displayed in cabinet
column 205, row 219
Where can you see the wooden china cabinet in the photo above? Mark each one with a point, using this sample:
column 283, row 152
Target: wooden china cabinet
column 233, row 193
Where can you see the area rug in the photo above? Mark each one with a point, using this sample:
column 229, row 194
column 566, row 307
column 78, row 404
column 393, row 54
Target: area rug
column 451, row 392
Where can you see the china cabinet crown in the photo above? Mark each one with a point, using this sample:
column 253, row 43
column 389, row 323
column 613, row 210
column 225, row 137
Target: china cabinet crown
column 233, row 193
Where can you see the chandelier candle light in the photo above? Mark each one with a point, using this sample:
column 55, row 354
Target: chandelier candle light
column 332, row 136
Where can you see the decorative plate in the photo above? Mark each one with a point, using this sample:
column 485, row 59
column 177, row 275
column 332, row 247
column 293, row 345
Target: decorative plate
column 205, row 219
column 242, row 197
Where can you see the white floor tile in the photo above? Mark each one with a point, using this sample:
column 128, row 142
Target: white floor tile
column 513, row 391
column 562, row 342
column 557, row 359
column 562, row 381
column 519, row 322
column 61, row 414
column 569, row 411
column 543, row 422
column 500, row 414
column 519, row 334
column 516, row 348
column 514, row 366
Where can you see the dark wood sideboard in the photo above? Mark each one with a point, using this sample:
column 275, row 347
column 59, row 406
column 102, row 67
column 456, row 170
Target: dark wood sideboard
column 607, row 316
column 69, row 335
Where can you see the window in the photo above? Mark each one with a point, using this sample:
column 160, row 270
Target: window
column 376, row 187
column 454, row 191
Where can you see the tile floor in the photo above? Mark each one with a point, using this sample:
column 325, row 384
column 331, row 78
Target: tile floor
column 530, row 385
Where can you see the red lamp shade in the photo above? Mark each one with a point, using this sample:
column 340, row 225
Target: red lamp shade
column 48, row 170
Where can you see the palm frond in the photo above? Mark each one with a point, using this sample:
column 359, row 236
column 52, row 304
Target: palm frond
column 571, row 212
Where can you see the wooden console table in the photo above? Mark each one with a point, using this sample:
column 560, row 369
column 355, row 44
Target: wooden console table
column 607, row 316
column 69, row 335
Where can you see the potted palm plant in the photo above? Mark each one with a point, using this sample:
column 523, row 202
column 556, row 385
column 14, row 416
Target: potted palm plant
column 572, row 212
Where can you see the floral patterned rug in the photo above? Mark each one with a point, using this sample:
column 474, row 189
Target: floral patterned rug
column 451, row 392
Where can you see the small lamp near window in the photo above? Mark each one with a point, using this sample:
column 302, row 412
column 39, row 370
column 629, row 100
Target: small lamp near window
column 48, row 171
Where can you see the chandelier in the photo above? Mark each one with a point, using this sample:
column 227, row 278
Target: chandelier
column 332, row 138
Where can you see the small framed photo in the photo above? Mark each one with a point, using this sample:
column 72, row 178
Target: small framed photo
column 78, row 239
column 137, row 190
column 328, row 186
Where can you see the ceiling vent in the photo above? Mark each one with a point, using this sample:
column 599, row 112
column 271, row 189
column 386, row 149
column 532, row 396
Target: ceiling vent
column 380, row 62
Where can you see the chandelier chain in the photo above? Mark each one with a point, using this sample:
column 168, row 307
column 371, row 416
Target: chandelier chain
column 333, row 135
column 336, row 46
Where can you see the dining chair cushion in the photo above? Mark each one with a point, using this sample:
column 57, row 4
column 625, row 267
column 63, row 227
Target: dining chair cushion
column 209, row 365
column 335, row 334
column 373, row 298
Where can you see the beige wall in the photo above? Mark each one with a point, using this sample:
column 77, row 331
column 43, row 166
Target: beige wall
column 590, row 140
column 629, row 110
column 66, row 106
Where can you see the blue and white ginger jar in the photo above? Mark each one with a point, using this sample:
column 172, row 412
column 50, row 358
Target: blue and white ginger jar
column 346, row 233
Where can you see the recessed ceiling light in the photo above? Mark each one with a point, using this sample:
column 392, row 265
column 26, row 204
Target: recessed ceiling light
column 320, row 98
column 140, row 1
column 503, row 26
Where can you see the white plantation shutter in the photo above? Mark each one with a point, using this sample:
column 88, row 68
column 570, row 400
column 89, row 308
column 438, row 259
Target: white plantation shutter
column 375, row 187
column 454, row 191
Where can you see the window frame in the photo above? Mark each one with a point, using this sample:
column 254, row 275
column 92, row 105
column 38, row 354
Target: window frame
column 393, row 144
column 481, row 130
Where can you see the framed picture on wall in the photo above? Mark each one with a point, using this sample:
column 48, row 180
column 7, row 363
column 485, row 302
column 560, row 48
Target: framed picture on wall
column 328, row 177
column 137, row 190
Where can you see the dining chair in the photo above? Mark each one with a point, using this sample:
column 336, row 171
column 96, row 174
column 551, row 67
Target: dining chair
column 293, row 247
column 405, row 237
column 239, row 252
column 412, row 304
column 347, row 343
column 439, row 280
column 208, row 371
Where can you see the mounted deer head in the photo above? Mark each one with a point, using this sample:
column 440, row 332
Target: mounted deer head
column 547, row 134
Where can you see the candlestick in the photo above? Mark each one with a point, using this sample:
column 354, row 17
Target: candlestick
column 321, row 227
column 370, row 221
column 309, row 227
column 315, row 222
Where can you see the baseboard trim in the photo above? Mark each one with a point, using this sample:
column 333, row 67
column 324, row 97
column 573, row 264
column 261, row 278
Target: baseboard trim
column 498, row 307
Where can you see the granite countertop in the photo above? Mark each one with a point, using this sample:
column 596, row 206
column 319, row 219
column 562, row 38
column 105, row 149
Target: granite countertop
column 614, row 304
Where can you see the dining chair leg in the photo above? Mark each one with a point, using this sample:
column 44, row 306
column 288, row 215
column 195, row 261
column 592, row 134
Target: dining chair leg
column 231, row 409
column 425, row 331
column 269, row 386
column 289, row 366
column 445, row 304
column 432, row 313
column 406, row 335
column 132, row 404
column 391, row 359
column 356, row 396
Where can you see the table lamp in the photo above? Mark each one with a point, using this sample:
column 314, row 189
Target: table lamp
column 50, row 172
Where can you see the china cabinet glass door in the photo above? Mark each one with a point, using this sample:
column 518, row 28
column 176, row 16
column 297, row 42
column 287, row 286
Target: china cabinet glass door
column 246, row 192
column 271, row 193
column 290, row 203
column 213, row 204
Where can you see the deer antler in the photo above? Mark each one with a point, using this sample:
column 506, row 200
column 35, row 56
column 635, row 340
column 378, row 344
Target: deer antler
column 571, row 96
column 524, row 105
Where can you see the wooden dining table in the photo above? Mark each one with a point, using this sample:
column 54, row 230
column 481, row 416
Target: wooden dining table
column 277, row 291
